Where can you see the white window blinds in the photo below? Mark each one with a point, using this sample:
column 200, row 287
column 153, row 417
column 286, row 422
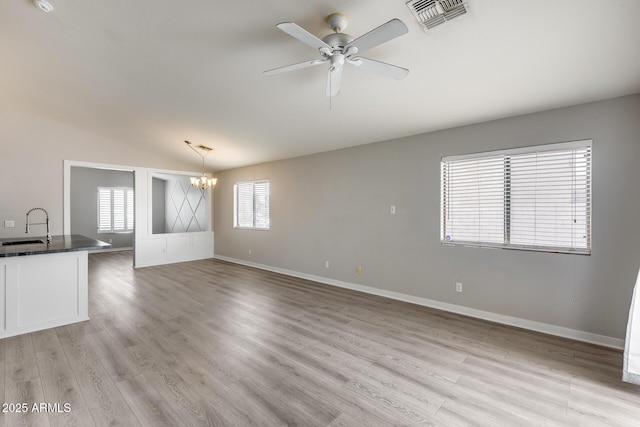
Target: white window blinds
column 115, row 210
column 535, row 198
column 104, row 210
column 251, row 205
column 119, row 204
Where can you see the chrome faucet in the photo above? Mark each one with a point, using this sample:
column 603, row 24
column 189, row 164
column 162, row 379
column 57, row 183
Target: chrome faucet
column 40, row 223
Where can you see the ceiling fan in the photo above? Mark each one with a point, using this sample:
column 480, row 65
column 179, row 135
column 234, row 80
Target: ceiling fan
column 338, row 48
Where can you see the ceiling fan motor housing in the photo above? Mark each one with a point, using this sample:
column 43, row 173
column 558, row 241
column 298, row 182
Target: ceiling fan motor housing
column 337, row 40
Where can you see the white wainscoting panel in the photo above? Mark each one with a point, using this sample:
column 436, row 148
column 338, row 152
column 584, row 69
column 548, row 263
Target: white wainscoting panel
column 169, row 248
column 179, row 248
column 43, row 291
column 47, row 290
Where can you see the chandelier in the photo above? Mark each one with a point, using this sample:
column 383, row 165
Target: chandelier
column 203, row 182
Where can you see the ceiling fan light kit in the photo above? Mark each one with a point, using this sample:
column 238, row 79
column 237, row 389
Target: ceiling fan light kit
column 339, row 48
column 431, row 13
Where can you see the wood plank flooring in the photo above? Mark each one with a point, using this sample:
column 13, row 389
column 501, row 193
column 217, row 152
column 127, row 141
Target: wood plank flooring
column 211, row 343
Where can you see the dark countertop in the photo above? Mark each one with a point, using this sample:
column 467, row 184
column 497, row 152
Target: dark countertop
column 66, row 243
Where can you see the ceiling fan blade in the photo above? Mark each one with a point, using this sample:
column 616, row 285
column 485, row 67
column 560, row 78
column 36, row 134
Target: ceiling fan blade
column 296, row 31
column 334, row 80
column 382, row 34
column 378, row 67
column 292, row 67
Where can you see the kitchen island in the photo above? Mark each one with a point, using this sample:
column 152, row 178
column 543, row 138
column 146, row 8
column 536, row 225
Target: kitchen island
column 44, row 285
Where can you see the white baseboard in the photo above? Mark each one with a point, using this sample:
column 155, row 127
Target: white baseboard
column 546, row 328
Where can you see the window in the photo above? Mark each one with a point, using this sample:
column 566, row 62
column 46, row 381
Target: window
column 115, row 210
column 251, row 205
column 536, row 198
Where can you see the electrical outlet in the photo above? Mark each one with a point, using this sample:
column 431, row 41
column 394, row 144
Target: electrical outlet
column 358, row 269
column 326, row 264
column 458, row 287
column 110, row 240
column 8, row 223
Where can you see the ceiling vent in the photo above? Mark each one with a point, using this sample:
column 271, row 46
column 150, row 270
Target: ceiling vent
column 431, row 13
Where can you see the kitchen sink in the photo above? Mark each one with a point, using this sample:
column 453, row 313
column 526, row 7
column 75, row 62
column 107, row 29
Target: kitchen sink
column 22, row 242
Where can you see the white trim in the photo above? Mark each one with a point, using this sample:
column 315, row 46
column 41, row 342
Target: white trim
column 236, row 203
column 67, row 164
column 149, row 249
column 546, row 328
column 583, row 143
column 548, row 249
column 66, row 212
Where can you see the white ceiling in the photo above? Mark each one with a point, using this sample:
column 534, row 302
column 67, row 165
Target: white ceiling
column 157, row 72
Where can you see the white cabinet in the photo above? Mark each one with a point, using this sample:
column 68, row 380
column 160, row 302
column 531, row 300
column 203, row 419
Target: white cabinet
column 42, row 291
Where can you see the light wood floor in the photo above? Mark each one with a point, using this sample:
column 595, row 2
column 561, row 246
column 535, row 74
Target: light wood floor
column 212, row 343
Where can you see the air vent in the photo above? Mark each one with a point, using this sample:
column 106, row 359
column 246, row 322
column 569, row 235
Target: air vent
column 431, row 13
column 202, row 147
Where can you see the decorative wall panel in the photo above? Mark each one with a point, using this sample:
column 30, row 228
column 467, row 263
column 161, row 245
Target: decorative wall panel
column 186, row 207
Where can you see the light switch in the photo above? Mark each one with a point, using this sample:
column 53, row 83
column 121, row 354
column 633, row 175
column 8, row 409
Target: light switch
column 392, row 209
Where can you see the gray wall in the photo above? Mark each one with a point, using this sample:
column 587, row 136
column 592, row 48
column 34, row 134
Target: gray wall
column 84, row 204
column 334, row 207
column 158, row 187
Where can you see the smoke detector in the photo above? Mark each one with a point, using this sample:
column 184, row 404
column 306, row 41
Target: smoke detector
column 43, row 5
column 431, row 13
